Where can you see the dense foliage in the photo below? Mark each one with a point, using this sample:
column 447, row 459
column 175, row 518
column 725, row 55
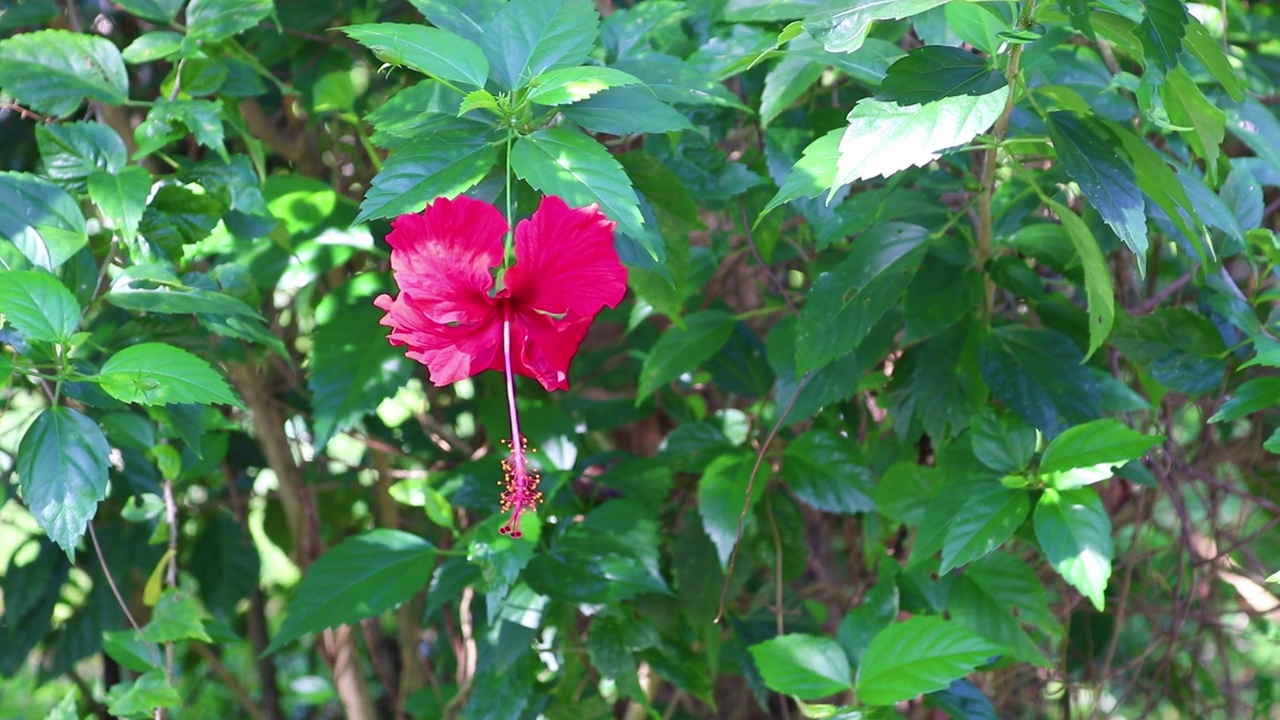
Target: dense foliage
column 944, row 384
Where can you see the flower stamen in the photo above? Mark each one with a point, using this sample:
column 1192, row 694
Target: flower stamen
column 519, row 481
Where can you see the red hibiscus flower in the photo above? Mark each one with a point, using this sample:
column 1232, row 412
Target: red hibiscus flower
column 460, row 312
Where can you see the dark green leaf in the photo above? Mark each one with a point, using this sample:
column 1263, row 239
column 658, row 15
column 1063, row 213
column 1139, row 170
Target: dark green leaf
column 934, row 72
column 353, row 368
column 466, row 18
column 38, row 305
column 1162, row 185
column 141, row 698
column 1038, row 375
column 1099, row 292
column 995, row 596
column 53, row 71
column 769, row 10
column 1074, row 531
column 229, row 564
column 154, row 288
column 62, row 470
column 211, row 20
column 430, row 51
column 722, row 493
column 1002, row 442
column 1188, row 107
column 73, row 151
column 129, row 649
column 917, row 656
column 802, row 666
column 827, row 472
column 675, row 81
column 787, row 81
column 1078, row 11
column 529, row 37
column 626, row 111
column 962, row 700
column 1181, row 349
column 170, row 120
column 842, row 26
column 847, row 301
column 175, row 617
column 155, row 373
column 160, row 11
column 982, row 524
column 42, row 220
column 362, row 577
column 683, row 349
column 1256, row 394
column 122, row 197
column 446, row 165
column 1161, row 32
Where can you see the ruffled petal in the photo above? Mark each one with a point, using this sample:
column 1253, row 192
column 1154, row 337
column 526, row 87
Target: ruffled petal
column 451, row 352
column 442, row 257
column 543, row 347
column 566, row 262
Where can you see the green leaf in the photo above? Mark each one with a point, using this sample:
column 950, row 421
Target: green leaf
column 1101, row 442
column 1161, row 184
column 364, row 576
column 39, row 306
column 529, row 37
column 569, row 85
column 1188, row 107
column 786, row 82
column 430, row 51
column 1038, row 374
column 53, row 71
column 827, row 472
column 1205, row 48
column 41, row 219
column 1179, row 348
column 159, row 11
column 934, row 72
column 212, row 20
column 62, row 471
column 982, row 524
column 141, row 697
column 1100, row 294
column 1078, row 11
column 1075, row 534
column 1256, row 394
column 129, row 649
column 444, row 165
column 722, row 493
column 769, row 10
column 1091, row 155
column 802, row 666
column 995, row 596
column 155, row 289
column 1002, row 442
column 1161, row 32
column 122, row 197
column 73, row 151
column 559, row 161
column 156, row 373
column 177, row 616
column 843, row 25
column 673, row 80
column 626, row 111
column 353, row 368
column 170, row 120
column 847, row 301
column 917, row 656
column 683, row 349
column 814, row 173
column 883, row 138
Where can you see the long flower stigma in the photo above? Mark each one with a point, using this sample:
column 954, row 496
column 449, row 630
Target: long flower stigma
column 519, row 481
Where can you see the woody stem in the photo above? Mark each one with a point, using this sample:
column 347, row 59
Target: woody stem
column 516, row 441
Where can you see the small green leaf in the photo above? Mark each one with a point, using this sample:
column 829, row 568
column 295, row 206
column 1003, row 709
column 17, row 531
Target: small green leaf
column 1098, row 290
column 1161, row 32
column 362, row 577
column 842, row 26
column 683, row 349
column 1074, row 531
column 786, row 82
column 1205, row 48
column 982, row 524
column 130, row 650
column 814, row 173
column 176, row 617
column 212, row 20
column 1256, row 394
column 526, row 38
column 995, row 596
column 122, row 197
column 442, row 165
column 430, row 51
column 934, row 72
column 917, row 656
column 155, row 289
column 847, row 301
column 626, row 111
column 1188, row 107
column 170, row 120
column 722, row 492
column 156, row 373
column 54, row 71
column 38, row 305
column 143, row 696
column 1003, row 442
column 1101, row 441
column 569, row 85
column 41, row 219
column 802, row 666
column 62, row 471
column 883, row 138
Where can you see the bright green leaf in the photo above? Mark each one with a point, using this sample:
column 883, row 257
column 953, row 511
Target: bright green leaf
column 1206, row 48
column 39, row 306
column 41, row 219
column 826, row 471
column 176, row 617
column 430, row 51
column 786, row 82
column 722, row 493
column 71, row 152
column 122, row 197
column 212, row 20
column 529, row 37
column 982, row 524
column 143, row 696
column 814, row 173
column 916, row 656
column 1101, row 441
column 802, row 666
column 160, row 11
column 1256, row 394
column 62, row 470
column 842, row 26
column 683, row 349
column 1074, row 531
column 1098, row 290
column 54, row 71
column 1188, row 107
column 569, row 85
column 154, row 373
column 444, row 165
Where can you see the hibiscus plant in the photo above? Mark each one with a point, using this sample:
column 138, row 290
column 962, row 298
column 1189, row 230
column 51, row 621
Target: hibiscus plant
column 516, row 359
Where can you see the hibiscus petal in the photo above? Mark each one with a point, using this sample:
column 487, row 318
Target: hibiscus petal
column 542, row 347
column 565, row 262
column 450, row 352
column 442, row 257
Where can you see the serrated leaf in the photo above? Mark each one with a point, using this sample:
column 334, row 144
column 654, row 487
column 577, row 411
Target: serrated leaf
column 62, row 471
column 176, row 617
column 41, row 219
column 1003, row 442
column 1074, row 531
column 1038, row 374
column 445, row 165
column 1188, row 107
column 54, row 71
column 569, row 85
column 529, row 37
column 916, row 656
column 1256, row 394
column 1180, row 349
column 982, row 524
column 626, row 111
column 826, row 471
column 170, row 120
column 934, row 72
column 430, row 51
column 122, row 197
column 788, row 80
column 152, row 46
column 562, row 162
column 1205, row 48
column 130, row 650
column 155, row 373
column 1161, row 184
column 995, row 596
column 155, row 289
column 364, row 576
column 675, row 81
column 39, row 306
column 846, row 302
column 722, row 493
column 160, row 11
column 1103, row 441
column 71, row 152
column 843, row 25
column 683, row 349
column 883, row 138
column 802, row 666
column 212, row 20
column 1098, row 290
column 142, row 697
column 1161, row 31
column 813, row 174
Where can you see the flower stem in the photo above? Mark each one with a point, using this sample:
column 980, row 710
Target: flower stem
column 516, row 439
